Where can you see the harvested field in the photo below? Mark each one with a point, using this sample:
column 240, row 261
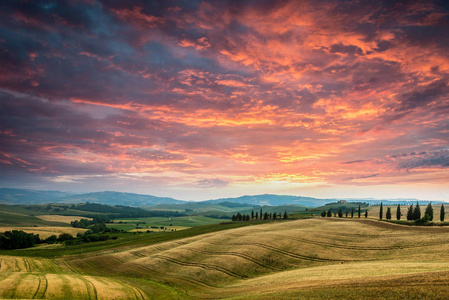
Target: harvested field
column 312, row 258
column 61, row 219
column 45, row 232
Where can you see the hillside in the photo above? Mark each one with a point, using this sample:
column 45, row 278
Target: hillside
column 273, row 200
column 313, row 258
column 116, row 198
column 23, row 196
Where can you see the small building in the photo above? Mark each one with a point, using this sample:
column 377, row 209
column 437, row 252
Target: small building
column 342, row 201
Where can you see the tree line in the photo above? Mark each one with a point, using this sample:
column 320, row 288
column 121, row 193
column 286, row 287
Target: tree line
column 259, row 216
column 413, row 213
column 340, row 213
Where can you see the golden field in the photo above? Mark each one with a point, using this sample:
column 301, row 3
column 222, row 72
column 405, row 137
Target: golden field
column 61, row 219
column 310, row 259
column 45, row 231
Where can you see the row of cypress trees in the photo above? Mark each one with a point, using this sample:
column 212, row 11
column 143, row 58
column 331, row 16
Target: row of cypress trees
column 413, row 213
column 257, row 216
column 340, row 213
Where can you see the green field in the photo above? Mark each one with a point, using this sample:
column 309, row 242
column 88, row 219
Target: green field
column 146, row 223
column 310, row 258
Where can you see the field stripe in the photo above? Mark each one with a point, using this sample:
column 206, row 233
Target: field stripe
column 291, row 254
column 38, row 287
column 200, row 265
column 241, row 255
column 91, row 290
column 66, row 264
column 335, row 245
column 42, row 289
column 27, row 264
column 182, row 278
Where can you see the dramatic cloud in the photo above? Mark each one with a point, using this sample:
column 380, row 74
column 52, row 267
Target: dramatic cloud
column 197, row 99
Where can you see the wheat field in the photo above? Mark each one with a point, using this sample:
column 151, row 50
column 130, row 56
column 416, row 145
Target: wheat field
column 313, row 258
column 61, row 219
column 45, row 231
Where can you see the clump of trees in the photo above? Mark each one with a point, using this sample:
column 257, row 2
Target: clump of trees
column 18, row 239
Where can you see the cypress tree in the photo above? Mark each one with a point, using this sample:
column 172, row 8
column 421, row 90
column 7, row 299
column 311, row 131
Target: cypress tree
column 381, row 211
column 442, row 213
column 366, row 213
column 429, row 211
column 252, row 214
column 247, row 217
column 238, row 217
column 265, row 216
column 340, row 213
column 329, row 213
column 417, row 212
column 323, row 213
column 410, row 213
column 257, row 215
column 388, row 214
column 398, row 212
column 352, row 213
column 233, row 217
column 359, row 211
column 274, row 216
column 346, row 214
column 285, row 215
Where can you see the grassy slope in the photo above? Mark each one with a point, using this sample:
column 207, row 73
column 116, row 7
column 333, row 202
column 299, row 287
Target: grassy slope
column 21, row 220
column 314, row 258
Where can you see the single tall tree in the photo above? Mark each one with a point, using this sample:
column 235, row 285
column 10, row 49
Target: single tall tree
column 285, row 215
column 352, row 213
column 398, row 212
column 340, row 213
column 274, row 216
column 442, row 213
column 388, row 214
column 410, row 213
column 429, row 211
column 366, row 213
column 381, row 211
column 329, row 213
column 260, row 214
column 257, row 215
column 323, row 213
column 252, row 214
column 417, row 212
column 359, row 211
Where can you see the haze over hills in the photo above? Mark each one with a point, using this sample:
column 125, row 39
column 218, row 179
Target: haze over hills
column 24, row 196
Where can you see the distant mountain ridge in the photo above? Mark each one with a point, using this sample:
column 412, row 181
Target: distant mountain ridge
column 274, row 200
column 24, row 196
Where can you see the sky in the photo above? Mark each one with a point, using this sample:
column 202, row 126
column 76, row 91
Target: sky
column 206, row 99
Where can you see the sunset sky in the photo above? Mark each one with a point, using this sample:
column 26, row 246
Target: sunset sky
column 206, row 99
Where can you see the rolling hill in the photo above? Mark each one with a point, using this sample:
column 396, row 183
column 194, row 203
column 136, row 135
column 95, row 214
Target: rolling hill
column 308, row 259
